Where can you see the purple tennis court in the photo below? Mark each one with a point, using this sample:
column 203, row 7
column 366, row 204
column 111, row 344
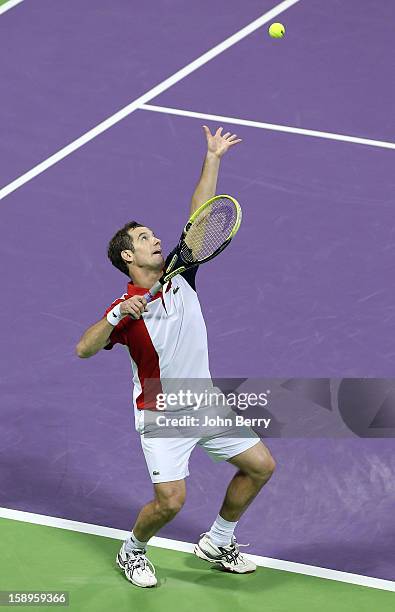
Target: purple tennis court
column 305, row 290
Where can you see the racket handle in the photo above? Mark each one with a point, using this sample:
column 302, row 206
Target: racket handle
column 149, row 296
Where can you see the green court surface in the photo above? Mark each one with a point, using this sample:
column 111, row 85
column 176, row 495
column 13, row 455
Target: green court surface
column 3, row 2
column 35, row 557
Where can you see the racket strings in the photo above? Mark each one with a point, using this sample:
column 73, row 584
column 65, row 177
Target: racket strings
column 209, row 230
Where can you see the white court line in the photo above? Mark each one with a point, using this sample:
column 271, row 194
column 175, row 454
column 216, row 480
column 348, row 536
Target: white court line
column 130, row 108
column 269, row 126
column 8, row 5
column 119, row 534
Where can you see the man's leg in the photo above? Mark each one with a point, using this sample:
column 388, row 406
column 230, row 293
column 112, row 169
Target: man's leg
column 167, row 460
column 169, row 498
column 168, row 501
column 256, row 465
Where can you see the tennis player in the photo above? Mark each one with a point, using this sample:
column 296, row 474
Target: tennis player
column 167, row 339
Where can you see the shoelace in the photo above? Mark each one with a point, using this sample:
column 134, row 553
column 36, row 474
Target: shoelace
column 233, row 554
column 230, row 555
column 233, row 541
column 138, row 560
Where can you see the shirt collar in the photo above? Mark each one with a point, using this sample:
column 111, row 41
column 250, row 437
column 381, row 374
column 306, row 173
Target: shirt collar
column 133, row 290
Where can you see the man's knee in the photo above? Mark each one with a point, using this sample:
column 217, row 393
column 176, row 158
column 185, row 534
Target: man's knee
column 268, row 466
column 169, row 499
column 262, row 469
column 259, row 465
column 169, row 507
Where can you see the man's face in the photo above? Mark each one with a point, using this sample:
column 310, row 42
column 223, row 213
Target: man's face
column 147, row 249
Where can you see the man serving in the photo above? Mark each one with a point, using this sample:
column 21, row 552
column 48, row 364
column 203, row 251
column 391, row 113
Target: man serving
column 167, row 339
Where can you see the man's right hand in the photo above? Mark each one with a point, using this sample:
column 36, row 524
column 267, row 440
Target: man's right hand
column 134, row 306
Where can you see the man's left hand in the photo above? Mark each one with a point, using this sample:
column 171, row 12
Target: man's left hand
column 218, row 144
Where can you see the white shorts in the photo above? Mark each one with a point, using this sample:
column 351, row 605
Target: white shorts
column 167, row 458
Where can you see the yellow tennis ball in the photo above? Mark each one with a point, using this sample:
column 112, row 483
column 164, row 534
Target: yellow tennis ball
column 277, row 30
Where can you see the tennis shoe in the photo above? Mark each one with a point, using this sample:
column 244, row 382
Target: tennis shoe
column 229, row 557
column 137, row 568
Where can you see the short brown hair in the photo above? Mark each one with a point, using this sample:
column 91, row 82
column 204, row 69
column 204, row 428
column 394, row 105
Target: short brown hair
column 121, row 241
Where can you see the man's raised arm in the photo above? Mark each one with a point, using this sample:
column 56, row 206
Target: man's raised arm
column 217, row 146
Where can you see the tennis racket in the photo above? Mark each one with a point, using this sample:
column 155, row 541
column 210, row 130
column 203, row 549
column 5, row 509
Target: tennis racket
column 208, row 231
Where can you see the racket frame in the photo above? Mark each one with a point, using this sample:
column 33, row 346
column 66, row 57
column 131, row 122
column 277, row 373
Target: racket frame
column 169, row 273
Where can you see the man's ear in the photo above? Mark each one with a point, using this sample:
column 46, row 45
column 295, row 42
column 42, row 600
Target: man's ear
column 129, row 259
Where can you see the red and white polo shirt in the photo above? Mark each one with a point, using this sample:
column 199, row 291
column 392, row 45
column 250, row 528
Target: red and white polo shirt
column 167, row 342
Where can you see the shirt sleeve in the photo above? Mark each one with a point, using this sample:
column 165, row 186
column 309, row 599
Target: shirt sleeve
column 189, row 275
column 118, row 335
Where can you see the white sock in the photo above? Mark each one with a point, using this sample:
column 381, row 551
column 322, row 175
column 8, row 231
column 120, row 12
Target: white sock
column 221, row 531
column 133, row 543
